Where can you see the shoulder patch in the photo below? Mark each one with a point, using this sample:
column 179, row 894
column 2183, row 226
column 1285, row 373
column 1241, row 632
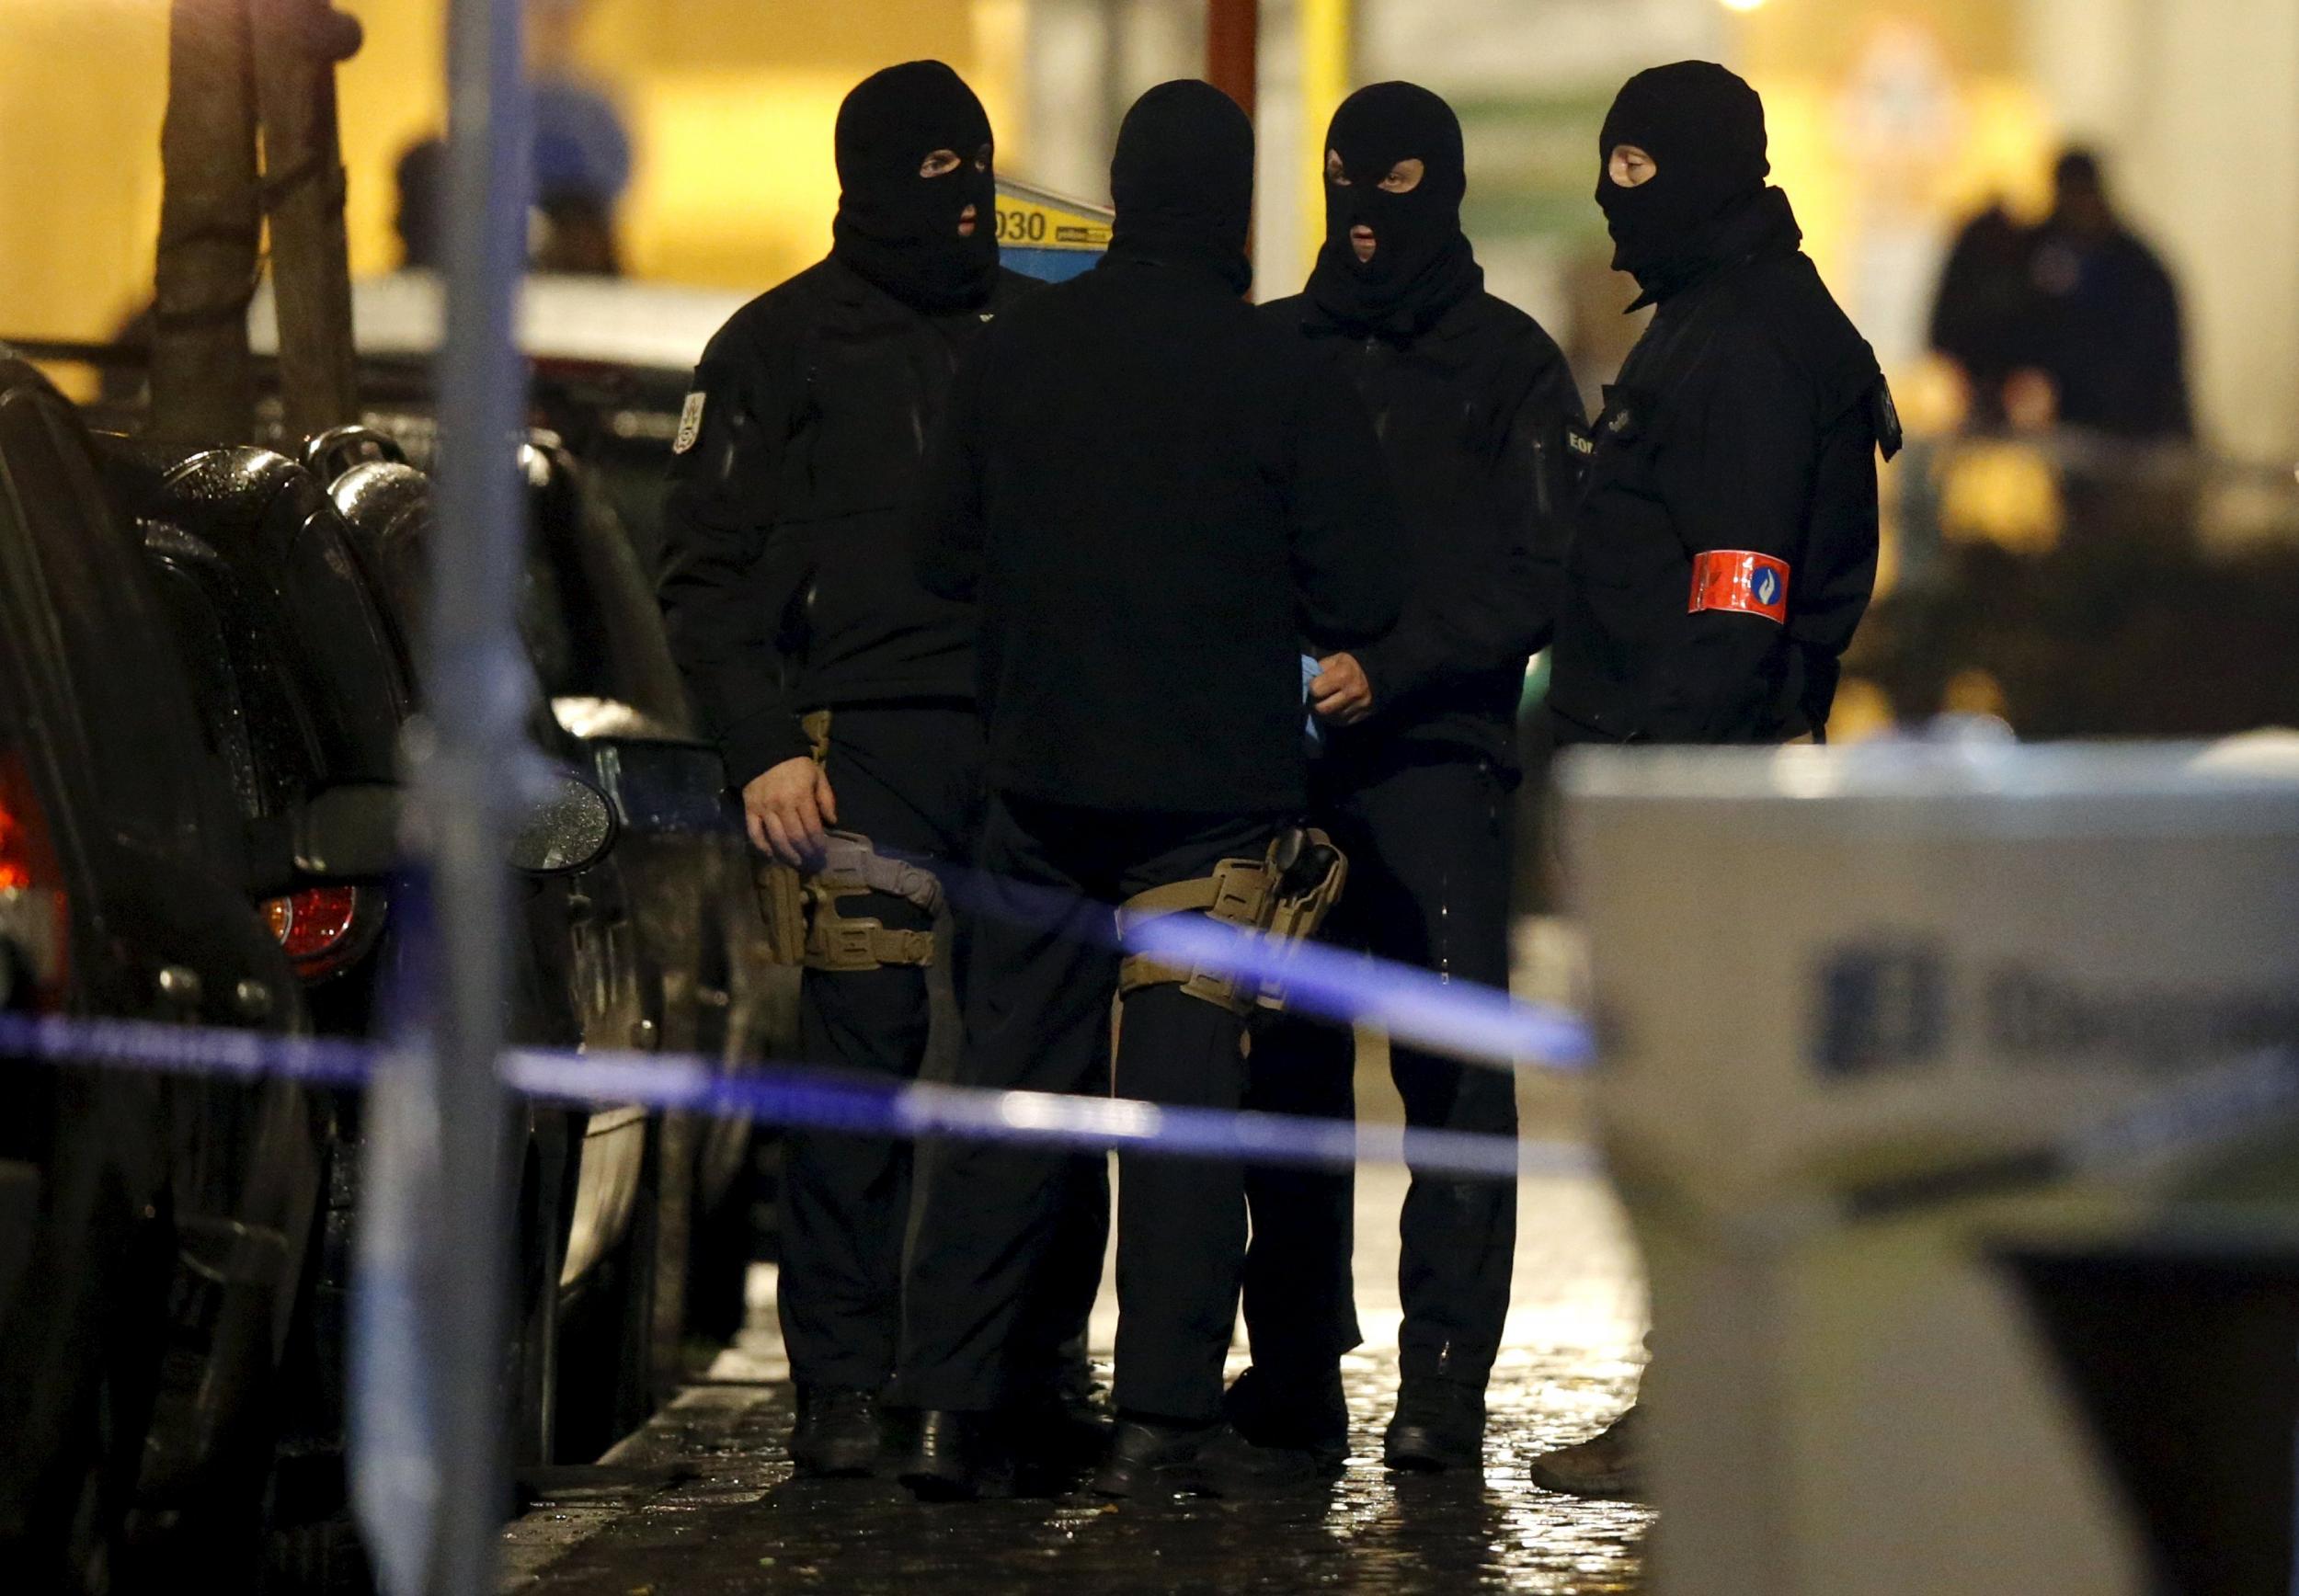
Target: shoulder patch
column 1885, row 416
column 689, row 423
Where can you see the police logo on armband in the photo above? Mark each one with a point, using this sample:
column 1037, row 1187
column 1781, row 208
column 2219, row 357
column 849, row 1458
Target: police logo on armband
column 1739, row 579
column 689, row 423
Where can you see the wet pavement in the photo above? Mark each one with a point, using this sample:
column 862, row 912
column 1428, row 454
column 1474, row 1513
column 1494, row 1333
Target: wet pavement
column 702, row 1500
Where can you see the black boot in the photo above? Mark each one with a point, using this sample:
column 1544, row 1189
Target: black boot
column 1056, row 1441
column 1439, row 1425
column 959, row 1457
column 1308, row 1414
column 838, row 1434
column 1149, row 1455
column 1145, row 1453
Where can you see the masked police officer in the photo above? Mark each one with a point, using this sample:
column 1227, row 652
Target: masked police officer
column 1156, row 497
column 1472, row 402
column 838, row 690
column 1725, row 548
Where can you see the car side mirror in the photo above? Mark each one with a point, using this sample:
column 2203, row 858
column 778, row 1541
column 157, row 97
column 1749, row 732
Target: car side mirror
column 571, row 828
column 665, row 787
column 350, row 832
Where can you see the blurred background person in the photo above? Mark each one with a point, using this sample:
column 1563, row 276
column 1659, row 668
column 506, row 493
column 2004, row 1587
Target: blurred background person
column 582, row 167
column 419, row 213
column 2107, row 329
column 1984, row 315
column 2072, row 322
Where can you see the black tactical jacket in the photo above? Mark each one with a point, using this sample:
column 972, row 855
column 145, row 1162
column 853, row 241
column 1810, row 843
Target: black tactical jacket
column 1473, row 417
column 1738, row 450
column 1158, row 500
column 787, row 583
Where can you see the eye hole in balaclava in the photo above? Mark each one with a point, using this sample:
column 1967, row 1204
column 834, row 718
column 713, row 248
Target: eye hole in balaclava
column 1394, row 253
column 914, row 156
column 1703, row 128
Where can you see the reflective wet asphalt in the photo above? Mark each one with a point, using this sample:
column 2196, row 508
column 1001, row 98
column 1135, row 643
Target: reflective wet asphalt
column 702, row 1500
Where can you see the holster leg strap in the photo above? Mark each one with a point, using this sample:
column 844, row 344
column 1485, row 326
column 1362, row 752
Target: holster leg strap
column 853, row 868
column 1280, row 899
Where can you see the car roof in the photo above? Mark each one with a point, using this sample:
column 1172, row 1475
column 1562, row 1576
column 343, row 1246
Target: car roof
column 658, row 327
column 648, row 325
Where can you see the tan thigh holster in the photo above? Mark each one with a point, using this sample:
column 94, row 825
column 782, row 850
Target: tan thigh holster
column 804, row 926
column 1280, row 899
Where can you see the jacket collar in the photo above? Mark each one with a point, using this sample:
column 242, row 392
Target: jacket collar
column 1457, row 320
column 853, row 290
column 1761, row 224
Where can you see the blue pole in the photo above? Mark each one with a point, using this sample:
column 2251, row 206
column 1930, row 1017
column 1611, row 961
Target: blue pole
column 429, row 1452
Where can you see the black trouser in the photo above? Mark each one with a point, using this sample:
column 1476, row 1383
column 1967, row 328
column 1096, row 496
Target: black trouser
column 1427, row 841
column 1039, row 983
column 906, row 776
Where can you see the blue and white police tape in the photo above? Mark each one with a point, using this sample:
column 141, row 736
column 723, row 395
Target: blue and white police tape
column 1463, row 1019
column 1477, row 1024
column 798, row 1097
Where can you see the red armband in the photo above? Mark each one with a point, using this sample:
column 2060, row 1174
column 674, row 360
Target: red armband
column 1739, row 579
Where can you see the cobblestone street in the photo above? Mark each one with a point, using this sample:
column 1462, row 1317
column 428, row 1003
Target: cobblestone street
column 702, row 1499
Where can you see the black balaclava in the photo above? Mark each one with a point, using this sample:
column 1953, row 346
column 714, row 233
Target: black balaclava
column 1704, row 129
column 1422, row 264
column 898, row 229
column 1182, row 181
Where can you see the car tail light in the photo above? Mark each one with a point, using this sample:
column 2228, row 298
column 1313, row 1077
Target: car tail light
column 35, row 915
column 319, row 926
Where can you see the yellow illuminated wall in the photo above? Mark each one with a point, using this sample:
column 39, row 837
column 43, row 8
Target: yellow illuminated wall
column 1807, row 58
column 730, row 104
column 79, row 162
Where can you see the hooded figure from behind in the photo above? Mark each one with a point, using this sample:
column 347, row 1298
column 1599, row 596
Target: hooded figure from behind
column 1724, row 548
column 1158, row 503
column 838, row 689
column 1474, row 403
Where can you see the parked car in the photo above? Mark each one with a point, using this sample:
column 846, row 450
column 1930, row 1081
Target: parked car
column 620, row 954
column 136, row 1241
column 201, row 696
column 617, row 710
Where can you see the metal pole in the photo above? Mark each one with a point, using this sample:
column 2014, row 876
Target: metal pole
column 1326, row 30
column 203, row 386
column 298, row 43
column 1233, row 49
column 476, row 691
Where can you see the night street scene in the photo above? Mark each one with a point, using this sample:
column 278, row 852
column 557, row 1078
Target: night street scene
column 1136, row 797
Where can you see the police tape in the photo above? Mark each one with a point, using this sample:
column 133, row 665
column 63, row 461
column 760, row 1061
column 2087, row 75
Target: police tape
column 801, row 1098
column 1474, row 1023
